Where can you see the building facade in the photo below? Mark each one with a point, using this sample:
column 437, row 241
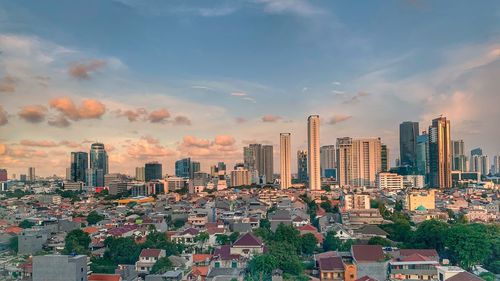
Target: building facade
column 285, row 161
column 152, row 171
column 327, row 158
column 408, row 132
column 79, row 166
column 302, row 166
column 440, row 153
column 313, row 152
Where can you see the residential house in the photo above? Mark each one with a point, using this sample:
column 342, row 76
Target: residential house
column 414, row 264
column 147, row 260
column 370, row 260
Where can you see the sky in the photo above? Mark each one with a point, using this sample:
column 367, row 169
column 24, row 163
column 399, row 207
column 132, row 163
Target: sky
column 162, row 80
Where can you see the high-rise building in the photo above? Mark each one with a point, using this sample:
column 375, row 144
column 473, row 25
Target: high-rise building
column 476, row 151
column 496, row 165
column 440, row 153
column 408, row 132
column 480, row 164
column 327, row 158
column 140, row 173
column 79, row 166
column 258, row 159
column 98, row 164
column 3, row 175
column 285, row 161
column 423, row 154
column 459, row 160
column 185, row 168
column 31, row 174
column 302, row 166
column 384, row 158
column 152, row 171
column 358, row 161
column 240, row 176
column 313, row 153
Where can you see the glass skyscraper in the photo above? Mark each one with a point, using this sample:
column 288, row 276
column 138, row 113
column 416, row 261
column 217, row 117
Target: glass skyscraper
column 98, row 164
column 408, row 132
column 79, row 166
column 152, row 171
column 185, row 168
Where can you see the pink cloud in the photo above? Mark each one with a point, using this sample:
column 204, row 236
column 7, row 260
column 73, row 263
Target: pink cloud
column 224, row 140
column 89, row 109
column 159, row 116
column 41, row 143
column 182, row 120
column 270, row 118
column 82, row 71
column 7, row 84
column 33, row 113
column 335, row 119
column 190, row 141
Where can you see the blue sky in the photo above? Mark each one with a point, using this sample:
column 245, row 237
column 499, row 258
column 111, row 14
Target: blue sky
column 239, row 71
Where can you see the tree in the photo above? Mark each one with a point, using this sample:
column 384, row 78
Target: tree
column 380, row 241
column 77, row 241
column 286, row 257
column 262, row 266
column 468, row 245
column 308, row 243
column 327, row 205
column 122, row 250
column 399, row 231
column 331, row 242
column 14, row 244
column 264, row 223
column 222, row 239
column 488, row 276
column 26, row 224
column 398, row 207
column 161, row 266
column 430, row 234
column 158, row 240
column 288, row 234
column 93, row 218
column 234, row 236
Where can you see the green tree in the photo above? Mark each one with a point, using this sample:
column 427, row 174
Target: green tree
column 222, row 239
column 430, row 234
column 102, row 265
column 468, row 245
column 158, row 240
column 260, row 267
column 399, row 231
column 14, row 244
column 380, row 241
column 346, row 245
column 288, row 234
column 286, row 257
column 76, row 241
column 331, row 242
column 264, row 223
column 234, row 236
column 488, row 276
column 308, row 243
column 122, row 250
column 26, row 224
column 327, row 205
column 93, row 218
column 161, row 266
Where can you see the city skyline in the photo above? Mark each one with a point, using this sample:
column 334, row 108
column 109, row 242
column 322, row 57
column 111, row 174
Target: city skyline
column 178, row 92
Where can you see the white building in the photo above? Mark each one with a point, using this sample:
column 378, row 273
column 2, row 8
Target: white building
column 327, row 158
column 313, row 153
column 285, row 161
column 389, row 181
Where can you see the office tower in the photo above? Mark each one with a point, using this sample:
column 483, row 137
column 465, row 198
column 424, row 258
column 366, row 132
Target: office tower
column 476, row 151
column 423, row 154
column 221, row 166
column 302, row 166
column 258, row 159
column 285, row 161
column 384, row 158
column 140, row 173
column 440, row 153
column 22, row 177
column 79, row 166
column 327, row 158
column 268, row 163
column 408, row 132
column 152, row 171
column 185, row 168
column 98, row 164
column 344, row 161
column 459, row 160
column 31, row 174
column 358, row 161
column 240, row 176
column 3, row 175
column 496, row 165
column 480, row 164
column 313, row 153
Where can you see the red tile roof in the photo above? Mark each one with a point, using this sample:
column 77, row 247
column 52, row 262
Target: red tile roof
column 201, row 257
column 464, row 276
column 366, row 278
column 331, row 263
column 423, row 252
column 199, row 271
column 367, row 253
column 248, row 240
column 150, row 252
column 191, row 231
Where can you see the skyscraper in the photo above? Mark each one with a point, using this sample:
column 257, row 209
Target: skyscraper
column 185, row 168
column 302, row 166
column 408, row 132
column 359, row 161
column 258, row 159
column 285, row 161
column 384, row 156
column 480, row 164
column 423, row 154
column 3, row 175
column 152, row 171
column 459, row 160
column 476, row 151
column 79, row 166
column 327, row 158
column 440, row 153
column 140, row 173
column 313, row 153
column 98, row 164
column 31, row 174
column 496, row 165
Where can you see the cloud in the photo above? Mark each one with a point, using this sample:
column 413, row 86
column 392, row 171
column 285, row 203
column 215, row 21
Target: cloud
column 72, row 144
column 216, row 12
column 335, row 119
column 23, row 152
column 42, row 143
column 271, row 118
column 159, row 116
column 356, row 98
column 302, row 8
column 238, row 94
column 240, row 120
column 7, row 84
column 33, row 113
column 59, row 122
column 4, row 117
column 148, row 148
column 150, row 140
column 223, row 140
column 132, row 115
column 89, row 109
column 336, row 83
column 182, row 120
column 82, row 71
column 191, row 141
